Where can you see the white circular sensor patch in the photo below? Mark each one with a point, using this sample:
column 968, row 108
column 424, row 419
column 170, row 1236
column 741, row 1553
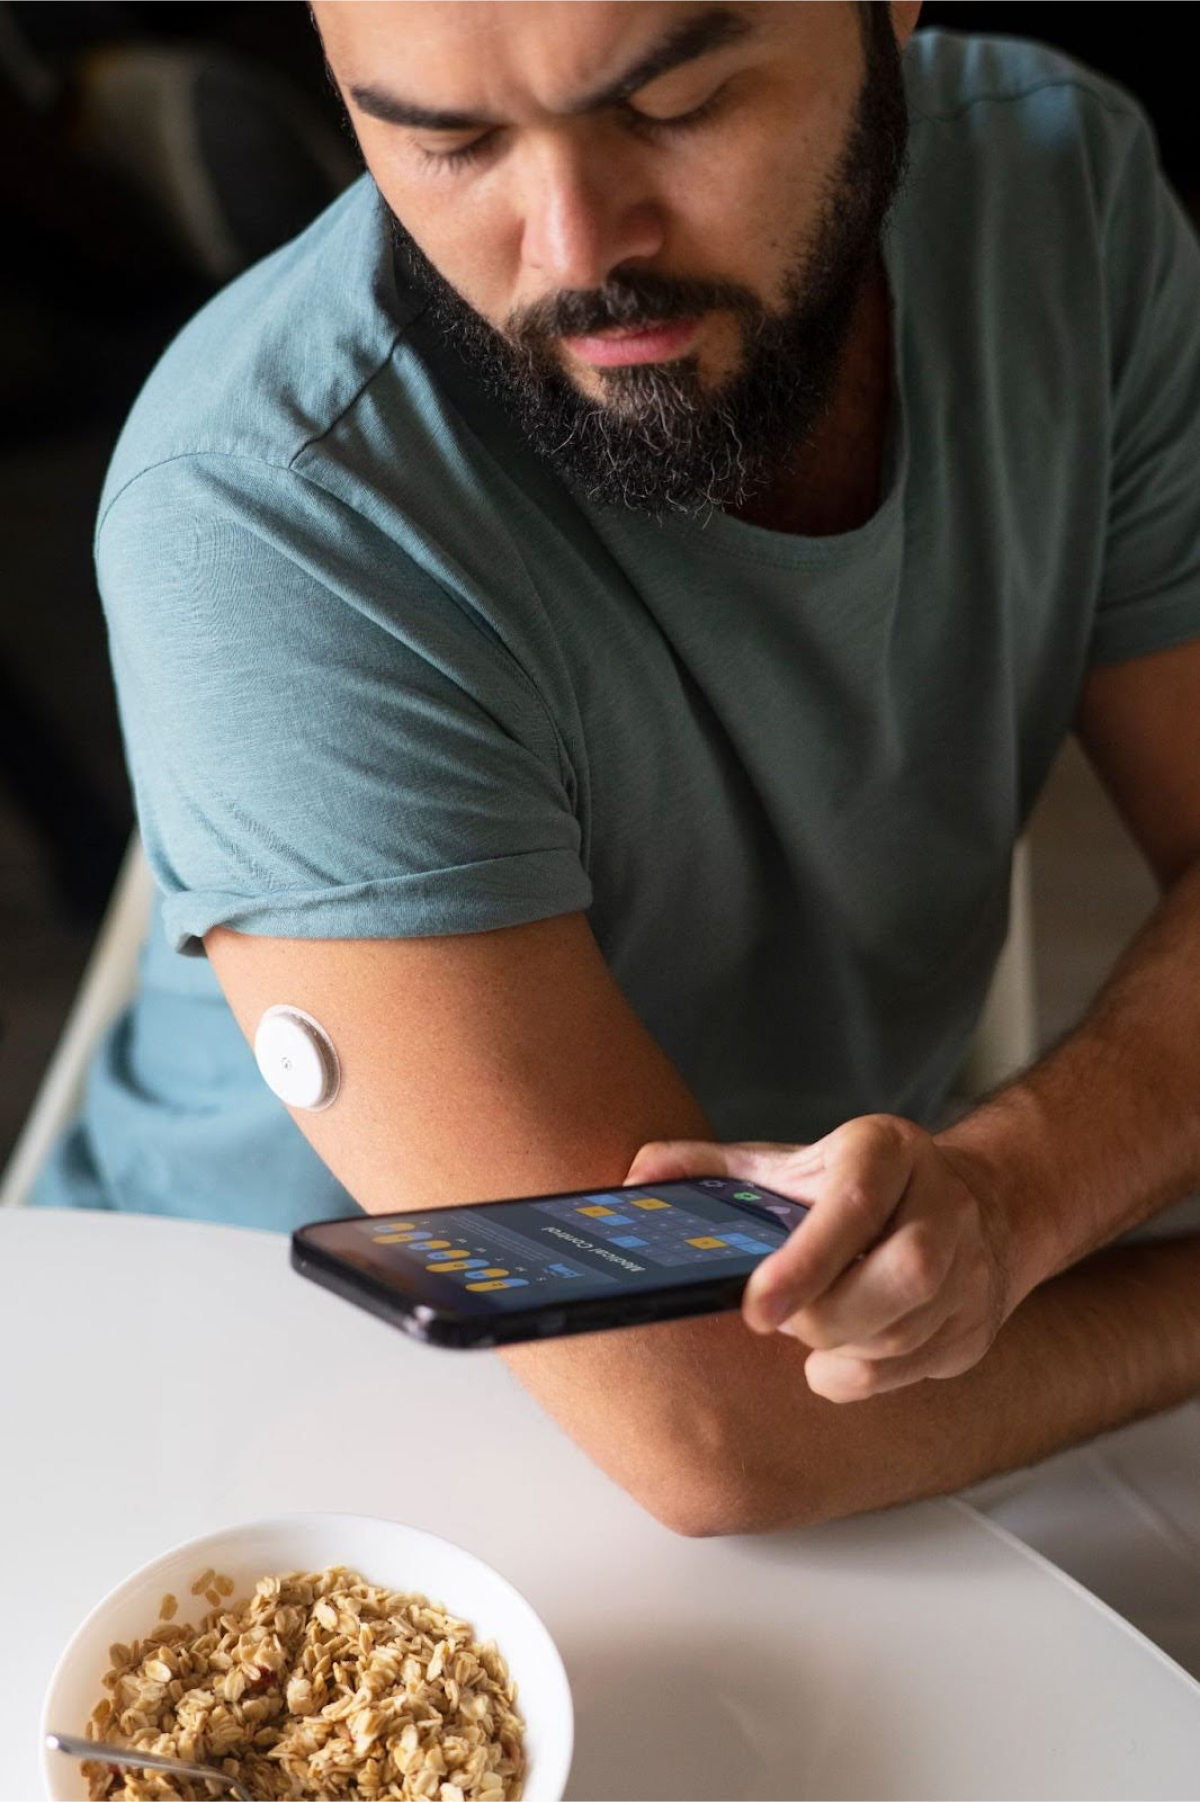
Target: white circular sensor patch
column 296, row 1058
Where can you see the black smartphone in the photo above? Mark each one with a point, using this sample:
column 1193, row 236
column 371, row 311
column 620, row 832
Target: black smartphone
column 541, row 1266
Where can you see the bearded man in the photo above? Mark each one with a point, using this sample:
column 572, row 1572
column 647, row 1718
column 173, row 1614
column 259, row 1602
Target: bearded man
column 591, row 619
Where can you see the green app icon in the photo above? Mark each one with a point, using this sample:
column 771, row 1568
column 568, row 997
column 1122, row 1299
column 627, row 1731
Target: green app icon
column 746, row 1195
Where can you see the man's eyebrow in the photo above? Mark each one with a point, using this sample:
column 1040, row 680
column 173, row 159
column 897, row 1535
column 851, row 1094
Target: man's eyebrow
column 695, row 37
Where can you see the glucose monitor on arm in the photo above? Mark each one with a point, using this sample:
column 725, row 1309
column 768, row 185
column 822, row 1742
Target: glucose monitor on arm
column 296, row 1058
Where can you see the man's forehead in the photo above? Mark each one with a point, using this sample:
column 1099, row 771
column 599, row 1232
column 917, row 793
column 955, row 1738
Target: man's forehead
column 494, row 56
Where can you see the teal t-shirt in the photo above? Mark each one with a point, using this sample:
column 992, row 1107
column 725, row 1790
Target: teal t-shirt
column 380, row 674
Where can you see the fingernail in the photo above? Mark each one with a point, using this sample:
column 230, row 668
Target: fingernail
column 772, row 1311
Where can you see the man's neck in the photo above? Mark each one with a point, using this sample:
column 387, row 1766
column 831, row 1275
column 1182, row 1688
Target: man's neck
column 834, row 482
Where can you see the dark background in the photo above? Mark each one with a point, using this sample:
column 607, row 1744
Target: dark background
column 99, row 277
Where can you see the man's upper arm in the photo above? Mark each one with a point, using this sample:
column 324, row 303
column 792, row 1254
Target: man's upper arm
column 507, row 1063
column 1149, row 595
column 1139, row 718
column 473, row 1066
column 1139, row 723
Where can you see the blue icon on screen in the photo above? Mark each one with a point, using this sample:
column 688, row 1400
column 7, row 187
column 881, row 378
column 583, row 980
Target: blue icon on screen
column 744, row 1242
column 628, row 1241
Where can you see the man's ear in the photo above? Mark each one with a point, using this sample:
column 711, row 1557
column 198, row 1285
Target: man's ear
column 905, row 14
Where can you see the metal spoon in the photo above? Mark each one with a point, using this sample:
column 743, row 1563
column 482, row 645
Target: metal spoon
column 146, row 1761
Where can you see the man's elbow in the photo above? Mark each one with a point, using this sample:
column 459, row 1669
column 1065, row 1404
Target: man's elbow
column 699, row 1441
column 715, row 1499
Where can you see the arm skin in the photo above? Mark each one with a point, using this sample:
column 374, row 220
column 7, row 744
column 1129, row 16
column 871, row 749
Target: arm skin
column 509, row 1062
column 1105, row 1131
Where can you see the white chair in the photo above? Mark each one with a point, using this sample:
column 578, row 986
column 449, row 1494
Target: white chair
column 1005, row 1040
column 107, row 984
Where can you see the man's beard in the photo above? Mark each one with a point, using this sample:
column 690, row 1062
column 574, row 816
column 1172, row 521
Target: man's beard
column 657, row 438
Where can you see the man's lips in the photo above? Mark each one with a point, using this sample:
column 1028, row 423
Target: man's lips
column 634, row 344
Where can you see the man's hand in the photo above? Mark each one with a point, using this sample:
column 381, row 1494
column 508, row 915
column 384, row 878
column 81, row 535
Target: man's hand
column 902, row 1269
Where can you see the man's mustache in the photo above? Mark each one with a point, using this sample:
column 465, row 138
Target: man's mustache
column 638, row 300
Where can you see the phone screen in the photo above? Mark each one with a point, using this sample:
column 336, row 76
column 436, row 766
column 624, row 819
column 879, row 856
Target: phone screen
column 508, row 1256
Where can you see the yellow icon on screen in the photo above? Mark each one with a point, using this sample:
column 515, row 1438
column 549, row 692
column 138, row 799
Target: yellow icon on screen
column 437, row 1245
column 493, row 1273
column 477, row 1286
column 595, row 1212
column 391, row 1238
column 651, row 1201
column 708, row 1244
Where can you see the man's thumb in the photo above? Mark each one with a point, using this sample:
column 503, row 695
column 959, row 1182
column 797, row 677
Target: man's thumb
column 663, row 1159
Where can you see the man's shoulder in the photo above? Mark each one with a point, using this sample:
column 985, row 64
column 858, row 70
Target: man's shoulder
column 1017, row 149
column 274, row 360
column 987, row 85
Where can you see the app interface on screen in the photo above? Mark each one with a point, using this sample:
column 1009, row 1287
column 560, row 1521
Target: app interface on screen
column 519, row 1254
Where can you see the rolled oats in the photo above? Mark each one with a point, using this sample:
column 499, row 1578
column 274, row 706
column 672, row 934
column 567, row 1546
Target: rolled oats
column 320, row 1684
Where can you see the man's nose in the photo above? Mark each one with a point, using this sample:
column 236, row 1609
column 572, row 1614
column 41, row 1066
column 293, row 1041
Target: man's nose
column 580, row 223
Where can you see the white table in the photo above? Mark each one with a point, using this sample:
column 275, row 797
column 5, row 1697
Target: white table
column 921, row 1653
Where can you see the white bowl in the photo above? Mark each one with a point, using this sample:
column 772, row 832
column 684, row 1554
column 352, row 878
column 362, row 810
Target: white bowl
column 386, row 1553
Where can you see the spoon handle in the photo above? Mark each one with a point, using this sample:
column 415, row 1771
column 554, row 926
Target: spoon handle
column 147, row 1761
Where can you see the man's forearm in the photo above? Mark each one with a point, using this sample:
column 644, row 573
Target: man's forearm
column 1104, row 1132
column 1109, row 1341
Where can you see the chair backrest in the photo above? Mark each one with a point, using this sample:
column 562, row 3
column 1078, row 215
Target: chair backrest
column 1005, row 1041
column 105, row 988
column 1006, row 1038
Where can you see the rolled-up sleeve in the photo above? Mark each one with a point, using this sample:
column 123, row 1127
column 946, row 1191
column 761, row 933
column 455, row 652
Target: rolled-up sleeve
column 323, row 742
